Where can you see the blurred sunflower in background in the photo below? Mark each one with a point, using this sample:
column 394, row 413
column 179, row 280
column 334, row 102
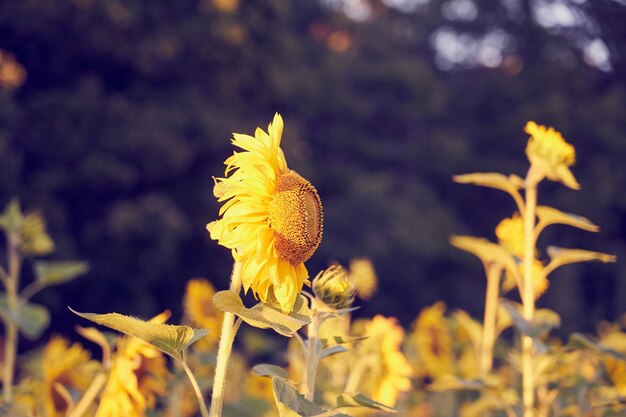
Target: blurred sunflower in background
column 201, row 312
column 61, row 373
column 138, row 377
column 271, row 217
column 550, row 154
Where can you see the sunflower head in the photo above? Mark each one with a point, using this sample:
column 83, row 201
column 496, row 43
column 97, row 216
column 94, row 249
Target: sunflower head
column 271, row 217
column 333, row 288
column 388, row 371
column 201, row 311
column 363, row 276
column 67, row 365
column 551, row 154
column 433, row 342
column 510, row 233
column 138, row 376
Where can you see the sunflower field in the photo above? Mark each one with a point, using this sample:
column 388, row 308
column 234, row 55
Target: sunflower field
column 271, row 219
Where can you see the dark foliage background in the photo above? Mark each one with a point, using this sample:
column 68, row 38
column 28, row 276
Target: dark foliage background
column 127, row 108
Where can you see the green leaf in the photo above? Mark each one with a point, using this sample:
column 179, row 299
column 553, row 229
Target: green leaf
column 11, row 219
column 265, row 369
column 549, row 215
column 509, row 184
column 544, row 320
column 169, row 339
column 265, row 316
column 58, row 272
column 453, row 383
column 579, row 341
column 485, row 250
column 332, row 350
column 563, row 256
column 285, row 394
column 340, row 340
column 31, row 319
column 355, row 400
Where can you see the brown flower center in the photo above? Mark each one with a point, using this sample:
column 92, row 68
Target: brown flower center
column 295, row 217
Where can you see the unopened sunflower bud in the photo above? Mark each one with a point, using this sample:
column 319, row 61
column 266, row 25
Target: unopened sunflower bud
column 333, row 288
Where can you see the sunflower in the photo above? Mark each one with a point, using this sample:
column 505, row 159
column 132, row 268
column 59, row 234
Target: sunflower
column 433, row 342
column 363, row 275
column 551, row 154
column 271, row 217
column 388, row 372
column 63, row 369
column 138, row 375
column 201, row 311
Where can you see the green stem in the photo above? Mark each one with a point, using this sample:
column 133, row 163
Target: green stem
column 90, row 395
column 494, row 271
column 528, row 296
column 312, row 358
column 196, row 389
column 10, row 341
column 225, row 346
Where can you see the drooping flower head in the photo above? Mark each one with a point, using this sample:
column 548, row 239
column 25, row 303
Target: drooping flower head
column 548, row 150
column 271, row 217
column 388, row 372
column 138, row 376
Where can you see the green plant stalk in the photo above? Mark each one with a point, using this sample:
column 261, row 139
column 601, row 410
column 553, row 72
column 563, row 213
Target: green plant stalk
column 225, row 347
column 528, row 296
column 90, row 395
column 312, row 356
column 10, row 341
column 494, row 272
column 196, row 389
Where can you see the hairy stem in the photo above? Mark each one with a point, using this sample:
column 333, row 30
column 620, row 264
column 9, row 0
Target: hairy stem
column 312, row 357
column 494, row 271
column 10, row 341
column 196, row 389
column 229, row 328
column 528, row 296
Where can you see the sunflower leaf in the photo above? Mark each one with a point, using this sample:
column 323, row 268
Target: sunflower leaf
column 31, row 319
column 169, row 339
column 564, row 256
column 544, row 320
column 290, row 402
column 333, row 350
column 509, row 184
column 356, row 400
column 263, row 315
column 549, row 215
column 340, row 340
column 58, row 272
column 265, row 369
column 579, row 341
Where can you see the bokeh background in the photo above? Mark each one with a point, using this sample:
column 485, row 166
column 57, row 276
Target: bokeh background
column 115, row 115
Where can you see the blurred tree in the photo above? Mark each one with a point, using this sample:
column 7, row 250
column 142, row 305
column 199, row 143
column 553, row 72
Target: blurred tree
column 126, row 108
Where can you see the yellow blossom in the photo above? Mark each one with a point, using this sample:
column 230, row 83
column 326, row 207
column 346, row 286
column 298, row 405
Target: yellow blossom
column 138, row 375
column 510, row 233
column 616, row 369
column 385, row 372
column 67, row 365
column 551, row 154
column 363, row 275
column 433, row 342
column 201, row 311
column 271, row 217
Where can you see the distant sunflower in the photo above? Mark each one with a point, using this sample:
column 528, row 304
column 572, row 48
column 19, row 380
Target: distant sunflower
column 388, row 373
column 433, row 341
column 547, row 150
column 201, row 311
column 67, row 365
column 271, row 217
column 138, row 376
